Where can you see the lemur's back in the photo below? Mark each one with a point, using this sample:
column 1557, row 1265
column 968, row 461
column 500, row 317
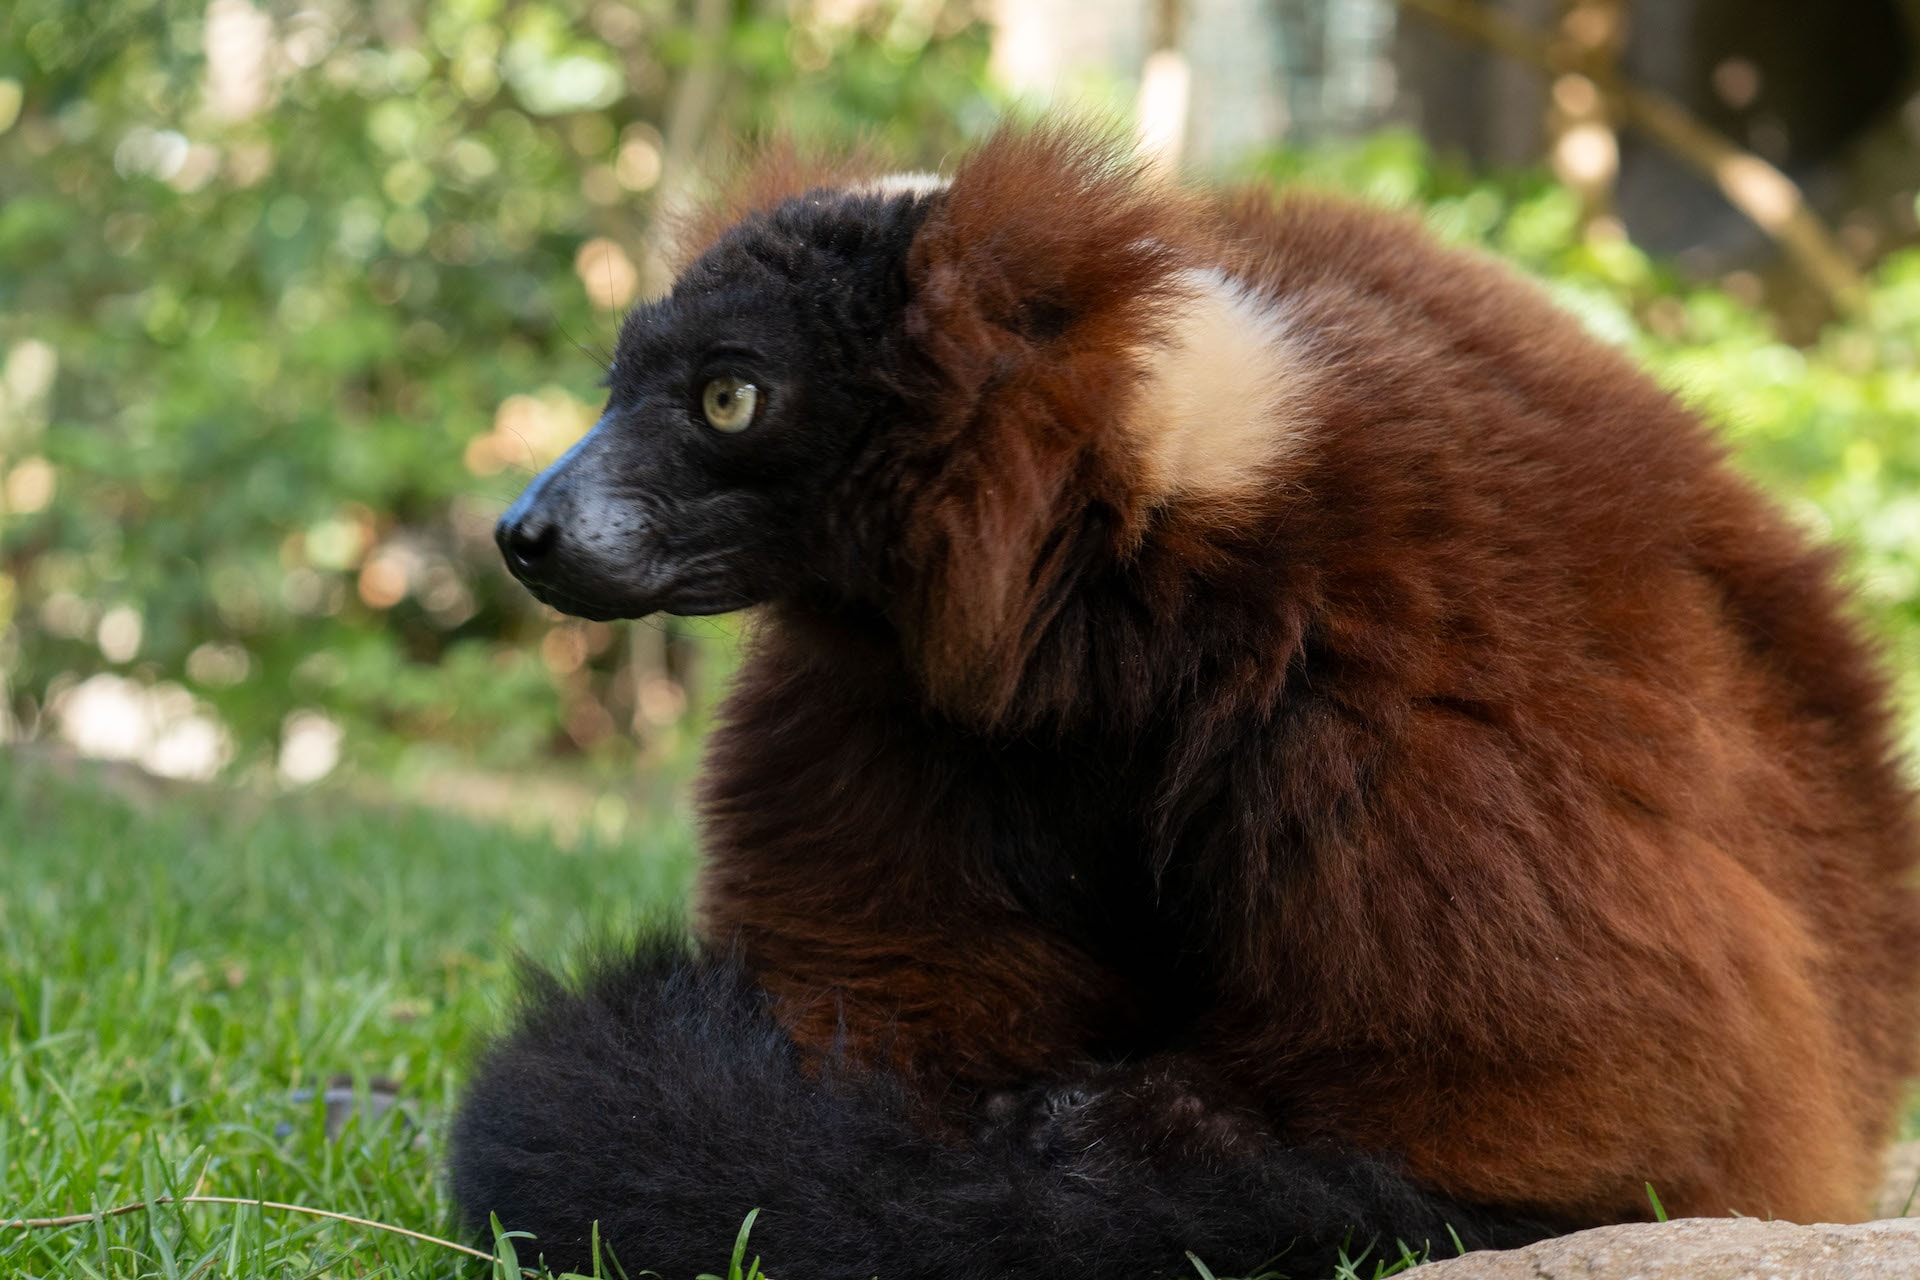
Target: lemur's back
column 1687, row 944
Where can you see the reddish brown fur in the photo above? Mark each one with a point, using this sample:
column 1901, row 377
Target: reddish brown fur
column 1501, row 788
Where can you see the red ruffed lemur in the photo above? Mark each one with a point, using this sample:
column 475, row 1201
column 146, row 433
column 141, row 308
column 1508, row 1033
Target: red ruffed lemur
column 1259, row 737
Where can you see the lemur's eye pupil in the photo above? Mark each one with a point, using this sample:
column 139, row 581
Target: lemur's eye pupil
column 729, row 404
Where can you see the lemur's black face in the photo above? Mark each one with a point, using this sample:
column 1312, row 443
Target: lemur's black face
column 736, row 405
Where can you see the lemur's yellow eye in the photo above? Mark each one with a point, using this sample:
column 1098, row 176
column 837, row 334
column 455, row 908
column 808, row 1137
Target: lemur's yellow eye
column 729, row 404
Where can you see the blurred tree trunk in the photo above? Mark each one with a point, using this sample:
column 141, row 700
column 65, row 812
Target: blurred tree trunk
column 1469, row 99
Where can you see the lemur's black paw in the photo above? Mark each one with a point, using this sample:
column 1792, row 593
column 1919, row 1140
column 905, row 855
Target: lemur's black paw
column 1157, row 1113
column 1044, row 1122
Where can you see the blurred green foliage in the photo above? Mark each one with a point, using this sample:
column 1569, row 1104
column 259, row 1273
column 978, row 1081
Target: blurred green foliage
column 293, row 298
column 270, row 279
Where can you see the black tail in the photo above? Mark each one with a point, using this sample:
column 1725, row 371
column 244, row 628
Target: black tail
column 660, row 1100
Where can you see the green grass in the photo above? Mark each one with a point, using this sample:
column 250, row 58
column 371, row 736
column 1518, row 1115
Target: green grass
column 173, row 970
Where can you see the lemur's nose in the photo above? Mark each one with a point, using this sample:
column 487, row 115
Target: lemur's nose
column 525, row 537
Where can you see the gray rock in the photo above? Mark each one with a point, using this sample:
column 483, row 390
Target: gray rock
column 1704, row 1249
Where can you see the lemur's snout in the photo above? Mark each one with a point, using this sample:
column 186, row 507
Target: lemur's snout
column 538, row 540
column 586, row 538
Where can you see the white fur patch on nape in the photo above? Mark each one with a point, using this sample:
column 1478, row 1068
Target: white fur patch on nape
column 1220, row 399
column 902, row 184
